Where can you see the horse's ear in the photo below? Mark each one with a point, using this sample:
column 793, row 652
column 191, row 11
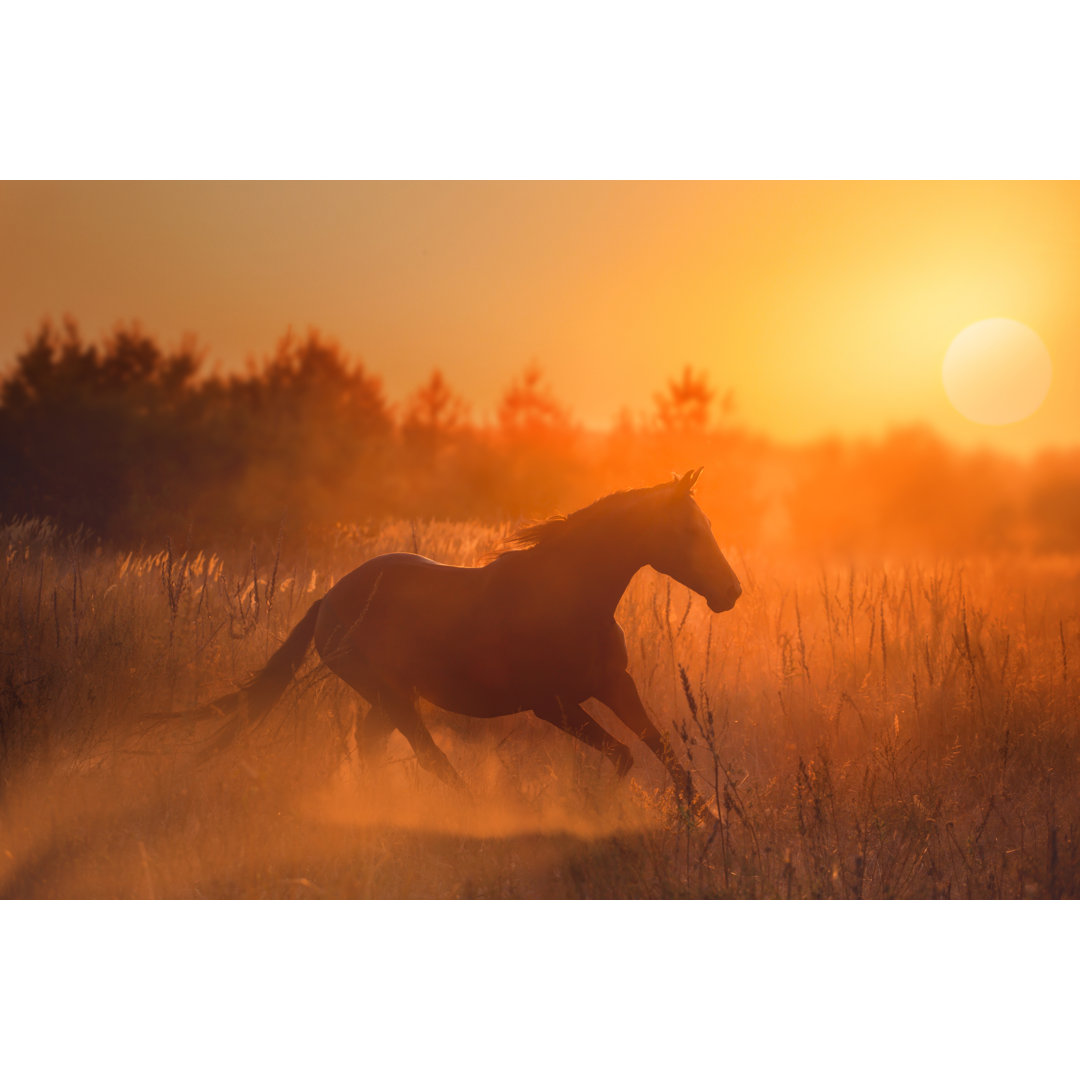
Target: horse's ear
column 685, row 483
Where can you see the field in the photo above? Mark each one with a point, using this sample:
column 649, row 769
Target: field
column 864, row 729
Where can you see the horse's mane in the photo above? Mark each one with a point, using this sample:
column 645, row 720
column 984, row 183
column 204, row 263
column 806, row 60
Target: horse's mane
column 559, row 527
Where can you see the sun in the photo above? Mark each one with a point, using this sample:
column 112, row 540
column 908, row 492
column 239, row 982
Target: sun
column 997, row 371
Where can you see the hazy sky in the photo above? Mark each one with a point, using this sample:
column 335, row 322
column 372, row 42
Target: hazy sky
column 827, row 307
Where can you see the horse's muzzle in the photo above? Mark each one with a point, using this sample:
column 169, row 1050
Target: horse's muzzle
column 725, row 601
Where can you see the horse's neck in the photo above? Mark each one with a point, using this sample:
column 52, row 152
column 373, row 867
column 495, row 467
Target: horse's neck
column 600, row 565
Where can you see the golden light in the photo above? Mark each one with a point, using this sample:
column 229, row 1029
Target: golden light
column 997, row 371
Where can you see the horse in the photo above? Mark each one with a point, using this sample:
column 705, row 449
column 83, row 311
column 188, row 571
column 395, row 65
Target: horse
column 531, row 630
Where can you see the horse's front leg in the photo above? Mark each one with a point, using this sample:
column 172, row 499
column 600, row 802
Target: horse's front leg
column 574, row 720
column 621, row 696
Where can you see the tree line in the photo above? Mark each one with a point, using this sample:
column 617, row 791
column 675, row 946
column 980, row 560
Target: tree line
column 135, row 442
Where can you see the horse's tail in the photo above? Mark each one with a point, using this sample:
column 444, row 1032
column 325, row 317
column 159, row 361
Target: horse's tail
column 254, row 699
column 267, row 685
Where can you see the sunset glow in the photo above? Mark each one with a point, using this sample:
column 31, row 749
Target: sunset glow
column 825, row 307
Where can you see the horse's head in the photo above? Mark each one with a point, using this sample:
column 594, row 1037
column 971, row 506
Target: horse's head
column 683, row 546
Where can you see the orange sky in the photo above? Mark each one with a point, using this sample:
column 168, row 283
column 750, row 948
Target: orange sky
column 828, row 307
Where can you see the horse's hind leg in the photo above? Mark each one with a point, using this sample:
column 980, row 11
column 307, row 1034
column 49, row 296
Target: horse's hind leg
column 392, row 706
column 407, row 720
column 372, row 731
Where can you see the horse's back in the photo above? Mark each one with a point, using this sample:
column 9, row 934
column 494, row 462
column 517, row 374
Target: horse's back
column 397, row 585
column 394, row 608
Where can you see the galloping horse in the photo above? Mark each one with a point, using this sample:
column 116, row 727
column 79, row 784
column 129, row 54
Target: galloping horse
column 533, row 629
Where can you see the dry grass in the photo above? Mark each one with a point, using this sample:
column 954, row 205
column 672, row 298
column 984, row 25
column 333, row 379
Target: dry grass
column 865, row 731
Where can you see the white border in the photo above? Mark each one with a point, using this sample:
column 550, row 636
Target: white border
column 538, row 989
column 425, row 90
